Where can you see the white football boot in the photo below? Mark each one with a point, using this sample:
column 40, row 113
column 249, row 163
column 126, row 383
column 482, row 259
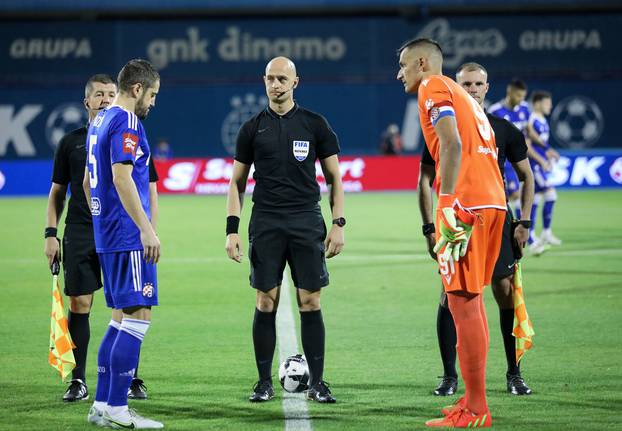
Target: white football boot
column 547, row 237
column 96, row 417
column 130, row 419
column 537, row 247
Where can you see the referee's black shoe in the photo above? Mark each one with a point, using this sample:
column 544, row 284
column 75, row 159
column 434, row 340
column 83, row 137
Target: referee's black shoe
column 77, row 391
column 262, row 391
column 516, row 385
column 320, row 393
column 137, row 390
column 447, row 386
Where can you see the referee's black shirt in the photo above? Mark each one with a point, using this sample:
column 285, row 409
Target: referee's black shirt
column 69, row 164
column 510, row 143
column 284, row 149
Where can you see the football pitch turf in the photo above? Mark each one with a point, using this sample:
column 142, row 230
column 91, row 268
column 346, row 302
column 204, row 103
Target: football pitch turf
column 382, row 356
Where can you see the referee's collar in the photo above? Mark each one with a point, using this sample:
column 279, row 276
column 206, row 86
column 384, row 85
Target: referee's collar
column 288, row 114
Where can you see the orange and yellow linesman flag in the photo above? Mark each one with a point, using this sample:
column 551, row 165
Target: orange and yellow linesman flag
column 61, row 346
column 523, row 329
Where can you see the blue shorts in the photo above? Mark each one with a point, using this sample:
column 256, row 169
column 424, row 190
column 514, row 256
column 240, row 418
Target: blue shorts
column 129, row 281
column 541, row 178
column 512, row 184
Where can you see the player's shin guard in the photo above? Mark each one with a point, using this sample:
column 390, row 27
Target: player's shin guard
column 124, row 359
column 264, row 342
column 103, row 361
column 313, row 339
column 472, row 348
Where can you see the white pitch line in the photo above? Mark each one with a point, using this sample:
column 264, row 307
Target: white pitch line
column 294, row 405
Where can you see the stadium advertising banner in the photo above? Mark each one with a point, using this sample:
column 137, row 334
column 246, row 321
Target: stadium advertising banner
column 359, row 174
column 211, row 75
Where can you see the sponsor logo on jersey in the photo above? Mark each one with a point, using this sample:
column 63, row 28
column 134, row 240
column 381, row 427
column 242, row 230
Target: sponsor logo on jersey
column 130, row 141
column 487, row 151
column 95, row 206
column 148, row 290
column 301, row 150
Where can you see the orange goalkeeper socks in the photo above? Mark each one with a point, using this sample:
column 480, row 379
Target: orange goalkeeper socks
column 470, row 319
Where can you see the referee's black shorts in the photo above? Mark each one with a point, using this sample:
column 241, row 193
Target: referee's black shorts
column 507, row 259
column 293, row 236
column 80, row 262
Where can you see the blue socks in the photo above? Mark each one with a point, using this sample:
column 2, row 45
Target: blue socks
column 118, row 360
column 547, row 213
column 103, row 361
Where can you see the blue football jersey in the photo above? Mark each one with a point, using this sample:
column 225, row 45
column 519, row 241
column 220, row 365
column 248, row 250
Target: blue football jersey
column 519, row 116
column 541, row 127
column 116, row 136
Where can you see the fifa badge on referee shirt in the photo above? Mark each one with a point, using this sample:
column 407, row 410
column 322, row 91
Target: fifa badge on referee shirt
column 301, row 150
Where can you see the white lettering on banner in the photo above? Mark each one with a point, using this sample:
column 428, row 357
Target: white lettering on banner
column 355, row 168
column 13, row 129
column 161, row 52
column 460, row 44
column 241, row 46
column 615, row 170
column 561, row 40
column 180, row 176
column 50, row 48
column 218, row 169
column 585, row 170
column 561, row 172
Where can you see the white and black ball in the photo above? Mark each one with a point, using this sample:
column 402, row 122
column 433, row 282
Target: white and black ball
column 294, row 374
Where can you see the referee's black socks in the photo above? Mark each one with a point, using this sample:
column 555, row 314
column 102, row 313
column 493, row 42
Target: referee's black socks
column 264, row 340
column 446, row 332
column 506, row 320
column 80, row 331
column 313, row 339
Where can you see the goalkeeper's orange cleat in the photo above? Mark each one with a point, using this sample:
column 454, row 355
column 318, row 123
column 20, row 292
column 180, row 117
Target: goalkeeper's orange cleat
column 462, row 418
column 458, row 405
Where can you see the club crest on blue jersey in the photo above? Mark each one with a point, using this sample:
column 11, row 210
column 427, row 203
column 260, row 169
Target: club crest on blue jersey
column 301, row 150
column 148, row 290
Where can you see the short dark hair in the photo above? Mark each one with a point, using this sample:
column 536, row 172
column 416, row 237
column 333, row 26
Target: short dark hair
column 101, row 78
column 471, row 67
column 539, row 95
column 518, row 84
column 137, row 71
column 420, row 41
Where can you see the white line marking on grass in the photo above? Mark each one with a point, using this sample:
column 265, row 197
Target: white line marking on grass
column 294, row 405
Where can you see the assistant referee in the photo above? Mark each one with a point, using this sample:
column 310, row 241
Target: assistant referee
column 80, row 262
column 283, row 142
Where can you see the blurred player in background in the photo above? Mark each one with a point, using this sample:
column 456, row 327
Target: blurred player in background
column 116, row 182
column 80, row 262
column 542, row 159
column 470, row 213
column 283, row 142
column 510, row 143
column 515, row 110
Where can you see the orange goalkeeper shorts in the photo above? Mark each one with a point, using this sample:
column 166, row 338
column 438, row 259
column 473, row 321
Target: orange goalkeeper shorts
column 474, row 270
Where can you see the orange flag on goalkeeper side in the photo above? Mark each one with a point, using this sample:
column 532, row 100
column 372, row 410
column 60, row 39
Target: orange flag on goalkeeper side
column 61, row 346
column 523, row 329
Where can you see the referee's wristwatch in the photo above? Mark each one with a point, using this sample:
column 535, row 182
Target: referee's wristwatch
column 525, row 223
column 341, row 222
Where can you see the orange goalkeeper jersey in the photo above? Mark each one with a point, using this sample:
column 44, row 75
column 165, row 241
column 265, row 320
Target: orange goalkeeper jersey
column 479, row 182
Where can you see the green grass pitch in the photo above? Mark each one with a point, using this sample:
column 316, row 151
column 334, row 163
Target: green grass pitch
column 380, row 309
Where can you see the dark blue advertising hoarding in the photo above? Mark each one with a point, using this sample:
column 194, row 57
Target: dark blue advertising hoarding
column 211, row 74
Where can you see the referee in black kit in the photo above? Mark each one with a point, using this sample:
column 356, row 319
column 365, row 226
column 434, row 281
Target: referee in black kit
column 284, row 141
column 510, row 143
column 80, row 262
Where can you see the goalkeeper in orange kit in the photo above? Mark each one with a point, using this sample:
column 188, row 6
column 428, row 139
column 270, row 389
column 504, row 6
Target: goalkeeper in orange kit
column 470, row 213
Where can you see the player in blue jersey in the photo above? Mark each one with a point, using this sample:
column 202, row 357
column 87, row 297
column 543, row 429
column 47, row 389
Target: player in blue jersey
column 542, row 157
column 116, row 183
column 514, row 109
